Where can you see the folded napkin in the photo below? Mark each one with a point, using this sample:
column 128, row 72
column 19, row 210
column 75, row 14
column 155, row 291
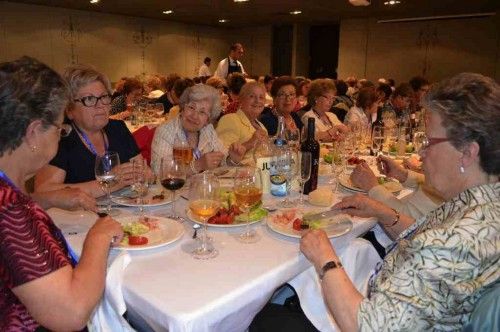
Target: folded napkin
column 108, row 315
column 359, row 259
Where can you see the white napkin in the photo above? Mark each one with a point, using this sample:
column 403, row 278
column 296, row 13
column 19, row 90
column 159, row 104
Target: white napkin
column 359, row 259
column 108, row 314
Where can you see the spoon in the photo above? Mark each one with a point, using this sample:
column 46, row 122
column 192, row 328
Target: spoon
column 195, row 227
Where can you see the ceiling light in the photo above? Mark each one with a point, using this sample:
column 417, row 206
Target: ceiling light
column 392, row 2
column 223, row 20
column 296, row 12
column 168, row 11
column 94, row 1
column 241, row 0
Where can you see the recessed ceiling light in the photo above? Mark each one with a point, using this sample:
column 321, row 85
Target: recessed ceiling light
column 94, row 1
column 223, row 20
column 168, row 11
column 241, row 0
column 392, row 2
column 296, row 12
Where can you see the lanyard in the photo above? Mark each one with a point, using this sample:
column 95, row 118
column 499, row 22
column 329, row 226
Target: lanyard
column 329, row 124
column 88, row 142
column 71, row 252
column 196, row 151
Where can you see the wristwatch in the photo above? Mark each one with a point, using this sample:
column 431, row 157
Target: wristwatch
column 328, row 266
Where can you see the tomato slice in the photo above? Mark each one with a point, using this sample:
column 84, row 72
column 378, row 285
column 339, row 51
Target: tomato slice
column 136, row 240
column 297, row 224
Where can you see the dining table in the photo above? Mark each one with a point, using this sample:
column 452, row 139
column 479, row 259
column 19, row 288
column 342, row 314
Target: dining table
column 166, row 289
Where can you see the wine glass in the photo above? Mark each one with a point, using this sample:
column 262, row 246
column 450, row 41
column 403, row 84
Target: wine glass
column 418, row 139
column 140, row 186
column 107, row 176
column 248, row 193
column 203, row 203
column 173, row 177
column 292, row 136
column 286, row 166
column 304, row 164
column 377, row 140
column 182, row 151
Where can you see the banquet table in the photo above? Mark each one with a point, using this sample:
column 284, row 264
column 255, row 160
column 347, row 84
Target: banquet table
column 171, row 291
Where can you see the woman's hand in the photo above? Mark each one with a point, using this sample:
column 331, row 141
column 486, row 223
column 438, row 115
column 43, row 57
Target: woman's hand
column 209, row 160
column 236, row 152
column 109, row 229
column 362, row 176
column 66, row 199
column 360, row 205
column 126, row 175
column 391, row 168
column 316, row 246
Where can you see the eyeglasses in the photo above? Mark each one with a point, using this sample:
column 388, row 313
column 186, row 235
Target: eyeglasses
column 192, row 108
column 287, row 95
column 91, row 101
column 427, row 142
column 64, row 129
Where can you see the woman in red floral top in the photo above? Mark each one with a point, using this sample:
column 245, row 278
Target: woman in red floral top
column 41, row 285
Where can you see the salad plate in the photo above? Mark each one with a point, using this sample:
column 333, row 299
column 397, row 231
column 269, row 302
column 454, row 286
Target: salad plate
column 283, row 223
column 158, row 231
column 156, row 196
column 391, row 185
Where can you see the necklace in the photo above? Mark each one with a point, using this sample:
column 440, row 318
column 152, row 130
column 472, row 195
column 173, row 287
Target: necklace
column 327, row 123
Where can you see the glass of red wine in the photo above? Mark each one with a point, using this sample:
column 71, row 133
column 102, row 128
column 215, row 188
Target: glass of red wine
column 173, row 177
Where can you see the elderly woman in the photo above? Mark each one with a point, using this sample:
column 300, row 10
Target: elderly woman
column 284, row 93
column 243, row 127
column 321, row 96
column 131, row 93
column 442, row 263
column 200, row 105
column 365, row 111
column 93, row 134
column 41, row 285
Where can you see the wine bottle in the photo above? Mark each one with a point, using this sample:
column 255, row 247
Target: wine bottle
column 312, row 146
column 278, row 181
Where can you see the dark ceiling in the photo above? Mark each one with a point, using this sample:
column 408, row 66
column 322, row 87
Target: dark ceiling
column 263, row 12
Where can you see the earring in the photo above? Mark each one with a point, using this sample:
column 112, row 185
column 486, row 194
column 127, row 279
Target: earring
column 33, row 148
column 462, row 169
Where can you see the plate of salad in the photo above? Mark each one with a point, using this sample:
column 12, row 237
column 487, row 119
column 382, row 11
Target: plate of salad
column 142, row 233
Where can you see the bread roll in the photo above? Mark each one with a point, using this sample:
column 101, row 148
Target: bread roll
column 321, row 197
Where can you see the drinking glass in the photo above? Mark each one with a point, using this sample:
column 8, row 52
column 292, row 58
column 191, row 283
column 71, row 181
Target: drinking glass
column 107, row 176
column 182, row 151
column 286, row 166
column 248, row 193
column 292, row 136
column 304, row 172
column 377, row 139
column 418, row 139
column 203, row 203
column 173, row 177
column 140, row 186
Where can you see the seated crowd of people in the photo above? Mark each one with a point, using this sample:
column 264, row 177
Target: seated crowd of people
column 443, row 254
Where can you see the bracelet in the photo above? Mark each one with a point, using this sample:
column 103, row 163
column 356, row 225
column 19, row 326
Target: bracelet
column 396, row 218
column 328, row 266
column 193, row 169
column 231, row 162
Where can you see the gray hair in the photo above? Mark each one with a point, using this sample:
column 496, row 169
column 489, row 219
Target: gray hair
column 29, row 91
column 79, row 76
column 246, row 90
column 202, row 92
column 469, row 105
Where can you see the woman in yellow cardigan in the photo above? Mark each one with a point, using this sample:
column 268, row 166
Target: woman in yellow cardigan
column 243, row 127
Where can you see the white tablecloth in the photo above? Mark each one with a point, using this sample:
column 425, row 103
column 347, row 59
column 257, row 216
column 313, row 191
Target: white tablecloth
column 171, row 291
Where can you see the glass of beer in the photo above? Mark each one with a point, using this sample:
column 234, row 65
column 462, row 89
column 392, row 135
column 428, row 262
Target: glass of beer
column 203, row 204
column 182, row 152
column 248, row 193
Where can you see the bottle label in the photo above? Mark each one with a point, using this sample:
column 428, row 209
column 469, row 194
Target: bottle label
column 265, row 165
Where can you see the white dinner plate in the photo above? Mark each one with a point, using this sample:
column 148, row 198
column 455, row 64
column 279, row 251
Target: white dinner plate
column 127, row 197
column 193, row 218
column 168, row 231
column 345, row 181
column 342, row 225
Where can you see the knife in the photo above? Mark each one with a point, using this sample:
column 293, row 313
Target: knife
column 306, row 219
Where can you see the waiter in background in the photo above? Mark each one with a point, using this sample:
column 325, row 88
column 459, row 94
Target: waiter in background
column 231, row 64
column 204, row 71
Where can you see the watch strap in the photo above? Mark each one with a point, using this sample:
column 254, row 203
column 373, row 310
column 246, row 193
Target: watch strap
column 328, row 266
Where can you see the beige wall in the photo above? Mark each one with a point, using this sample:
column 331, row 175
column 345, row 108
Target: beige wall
column 372, row 50
column 107, row 42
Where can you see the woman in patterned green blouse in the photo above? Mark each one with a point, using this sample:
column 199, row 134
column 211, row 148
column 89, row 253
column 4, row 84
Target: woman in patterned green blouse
column 440, row 264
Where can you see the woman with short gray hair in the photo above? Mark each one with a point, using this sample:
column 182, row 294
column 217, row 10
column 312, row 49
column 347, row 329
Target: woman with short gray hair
column 200, row 105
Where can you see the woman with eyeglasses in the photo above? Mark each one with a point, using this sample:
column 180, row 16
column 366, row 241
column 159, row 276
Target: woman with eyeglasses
column 284, row 93
column 441, row 264
column 132, row 92
column 41, row 285
column 199, row 107
column 92, row 134
column 321, row 97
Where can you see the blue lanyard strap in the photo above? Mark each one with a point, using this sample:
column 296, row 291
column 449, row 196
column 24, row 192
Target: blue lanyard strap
column 9, row 181
column 88, row 142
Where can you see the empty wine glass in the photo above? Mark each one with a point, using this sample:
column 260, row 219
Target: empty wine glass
column 292, row 136
column 140, row 185
column 286, row 166
column 173, row 177
column 248, row 193
column 304, row 166
column 203, row 203
column 377, row 139
column 107, row 175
